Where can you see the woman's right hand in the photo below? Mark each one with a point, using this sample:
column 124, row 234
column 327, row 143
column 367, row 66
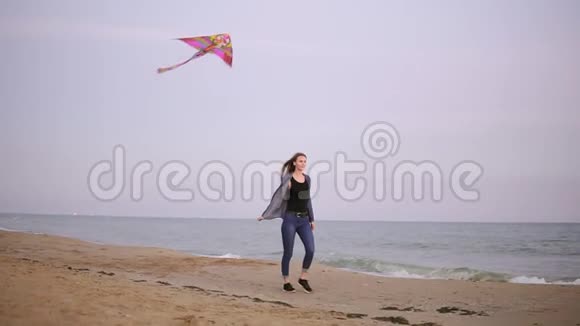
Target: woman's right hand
column 260, row 218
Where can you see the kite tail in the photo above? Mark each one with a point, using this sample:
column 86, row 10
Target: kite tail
column 196, row 55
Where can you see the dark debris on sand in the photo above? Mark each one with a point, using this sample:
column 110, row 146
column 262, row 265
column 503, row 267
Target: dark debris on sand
column 105, row 273
column 462, row 312
column 78, row 269
column 413, row 309
column 163, row 283
column 395, row 320
column 355, row 315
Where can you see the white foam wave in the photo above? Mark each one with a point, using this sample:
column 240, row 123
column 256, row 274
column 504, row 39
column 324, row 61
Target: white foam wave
column 21, row 231
column 232, row 256
column 540, row 280
column 405, row 274
column 395, row 270
column 9, row 230
column 397, row 274
column 227, row 256
column 96, row 242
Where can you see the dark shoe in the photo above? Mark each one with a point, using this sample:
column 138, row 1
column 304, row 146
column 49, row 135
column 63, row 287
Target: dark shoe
column 289, row 288
column 305, row 285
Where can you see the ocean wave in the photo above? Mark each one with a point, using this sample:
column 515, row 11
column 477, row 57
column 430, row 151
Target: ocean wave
column 10, row 230
column 21, row 231
column 541, row 280
column 227, row 256
column 396, row 270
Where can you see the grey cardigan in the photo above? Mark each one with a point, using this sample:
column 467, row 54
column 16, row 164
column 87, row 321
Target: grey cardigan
column 279, row 201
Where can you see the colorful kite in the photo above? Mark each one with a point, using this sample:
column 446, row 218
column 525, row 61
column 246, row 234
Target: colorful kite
column 219, row 44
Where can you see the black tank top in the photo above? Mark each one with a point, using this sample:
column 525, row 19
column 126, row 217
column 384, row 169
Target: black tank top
column 299, row 195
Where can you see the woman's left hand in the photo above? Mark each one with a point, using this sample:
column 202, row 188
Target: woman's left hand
column 312, row 225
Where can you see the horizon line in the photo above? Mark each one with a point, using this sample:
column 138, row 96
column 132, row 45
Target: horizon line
column 330, row 220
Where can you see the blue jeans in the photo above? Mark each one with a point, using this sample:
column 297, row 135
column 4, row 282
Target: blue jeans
column 292, row 225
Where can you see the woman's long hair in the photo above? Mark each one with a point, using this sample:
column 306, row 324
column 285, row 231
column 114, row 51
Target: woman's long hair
column 289, row 167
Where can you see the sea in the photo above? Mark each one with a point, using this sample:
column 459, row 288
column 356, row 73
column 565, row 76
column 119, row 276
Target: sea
column 539, row 253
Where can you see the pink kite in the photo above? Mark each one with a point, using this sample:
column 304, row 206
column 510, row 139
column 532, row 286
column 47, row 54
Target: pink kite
column 219, row 44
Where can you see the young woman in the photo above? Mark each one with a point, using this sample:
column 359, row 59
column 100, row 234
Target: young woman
column 292, row 203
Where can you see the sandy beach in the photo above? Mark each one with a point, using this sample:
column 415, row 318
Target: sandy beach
column 50, row 280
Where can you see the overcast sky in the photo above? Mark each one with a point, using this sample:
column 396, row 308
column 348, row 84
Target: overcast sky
column 493, row 82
